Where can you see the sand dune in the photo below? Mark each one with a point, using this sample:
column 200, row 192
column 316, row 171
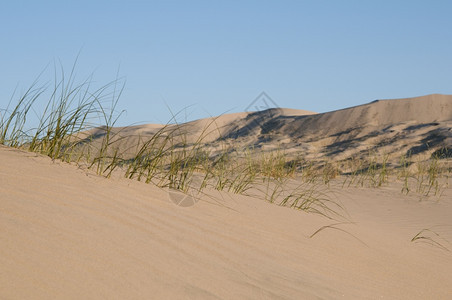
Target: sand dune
column 415, row 126
column 69, row 234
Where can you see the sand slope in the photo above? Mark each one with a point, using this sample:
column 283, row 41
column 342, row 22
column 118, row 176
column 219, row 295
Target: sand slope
column 66, row 234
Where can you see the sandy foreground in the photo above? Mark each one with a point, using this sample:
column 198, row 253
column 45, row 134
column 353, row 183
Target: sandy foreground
column 68, row 234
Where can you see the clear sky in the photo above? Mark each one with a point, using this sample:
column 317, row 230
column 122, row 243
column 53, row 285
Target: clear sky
column 213, row 57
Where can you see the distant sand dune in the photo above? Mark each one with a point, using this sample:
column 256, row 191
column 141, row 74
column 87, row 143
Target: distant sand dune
column 416, row 126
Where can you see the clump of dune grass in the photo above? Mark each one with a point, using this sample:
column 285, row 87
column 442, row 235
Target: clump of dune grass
column 312, row 198
column 296, row 193
column 70, row 107
column 272, row 164
column 425, row 177
column 370, row 171
column 430, row 179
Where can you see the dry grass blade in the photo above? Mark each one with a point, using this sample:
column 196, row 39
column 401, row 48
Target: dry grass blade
column 334, row 226
column 423, row 236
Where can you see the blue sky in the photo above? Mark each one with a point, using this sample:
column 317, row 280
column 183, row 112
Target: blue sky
column 213, row 57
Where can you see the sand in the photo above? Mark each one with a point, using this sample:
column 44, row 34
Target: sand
column 68, row 234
